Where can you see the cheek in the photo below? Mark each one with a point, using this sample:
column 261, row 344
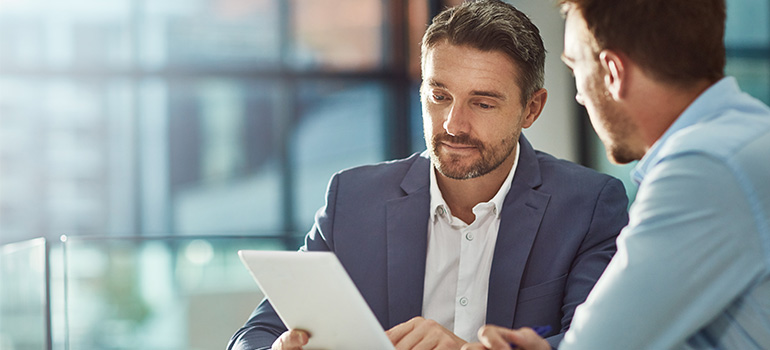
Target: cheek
column 432, row 119
column 581, row 87
column 500, row 128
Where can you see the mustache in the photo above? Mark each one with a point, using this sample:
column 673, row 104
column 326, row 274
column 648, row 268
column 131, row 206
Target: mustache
column 461, row 139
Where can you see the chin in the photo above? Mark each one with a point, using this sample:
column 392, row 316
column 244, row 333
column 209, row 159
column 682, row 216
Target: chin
column 621, row 155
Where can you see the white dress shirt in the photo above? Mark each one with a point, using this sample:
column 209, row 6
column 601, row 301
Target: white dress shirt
column 459, row 259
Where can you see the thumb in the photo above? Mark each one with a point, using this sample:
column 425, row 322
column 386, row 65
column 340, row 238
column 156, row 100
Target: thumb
column 299, row 337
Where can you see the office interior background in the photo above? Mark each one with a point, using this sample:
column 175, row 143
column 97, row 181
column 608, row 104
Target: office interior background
column 142, row 143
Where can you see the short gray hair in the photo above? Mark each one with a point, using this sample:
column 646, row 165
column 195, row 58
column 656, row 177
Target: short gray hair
column 493, row 25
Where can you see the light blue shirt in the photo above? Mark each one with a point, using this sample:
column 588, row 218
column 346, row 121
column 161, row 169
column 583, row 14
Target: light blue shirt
column 692, row 270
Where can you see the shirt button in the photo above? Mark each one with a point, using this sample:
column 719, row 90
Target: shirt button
column 469, row 236
column 441, row 211
column 463, row 301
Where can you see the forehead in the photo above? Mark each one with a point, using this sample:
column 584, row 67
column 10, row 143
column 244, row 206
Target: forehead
column 577, row 38
column 461, row 66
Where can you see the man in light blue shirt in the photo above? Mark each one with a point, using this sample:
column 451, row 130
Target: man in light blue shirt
column 692, row 269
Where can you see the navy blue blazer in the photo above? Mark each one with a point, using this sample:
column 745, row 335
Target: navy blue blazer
column 557, row 233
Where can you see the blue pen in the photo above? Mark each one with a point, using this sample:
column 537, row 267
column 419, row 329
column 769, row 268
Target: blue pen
column 540, row 330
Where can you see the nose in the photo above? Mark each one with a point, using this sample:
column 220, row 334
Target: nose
column 580, row 99
column 456, row 120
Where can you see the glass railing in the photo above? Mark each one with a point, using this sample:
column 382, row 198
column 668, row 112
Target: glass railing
column 150, row 293
column 25, row 321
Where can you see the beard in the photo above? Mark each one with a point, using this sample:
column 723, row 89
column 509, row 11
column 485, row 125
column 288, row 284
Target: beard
column 622, row 155
column 615, row 128
column 460, row 167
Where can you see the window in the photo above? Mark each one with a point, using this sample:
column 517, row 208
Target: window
column 222, row 117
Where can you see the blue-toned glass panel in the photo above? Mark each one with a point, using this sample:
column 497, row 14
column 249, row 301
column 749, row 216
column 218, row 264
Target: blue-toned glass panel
column 341, row 125
column 173, row 293
column 23, row 296
column 339, row 34
column 748, row 24
column 37, row 34
column 602, row 164
column 753, row 75
column 416, row 128
column 66, row 153
column 224, row 159
column 211, row 33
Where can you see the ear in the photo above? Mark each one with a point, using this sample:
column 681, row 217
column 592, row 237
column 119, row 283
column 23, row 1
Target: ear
column 615, row 74
column 534, row 107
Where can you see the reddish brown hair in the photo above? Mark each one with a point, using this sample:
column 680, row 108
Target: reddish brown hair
column 677, row 41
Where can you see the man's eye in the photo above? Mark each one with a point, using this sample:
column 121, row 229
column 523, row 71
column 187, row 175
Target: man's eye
column 485, row 106
column 439, row 97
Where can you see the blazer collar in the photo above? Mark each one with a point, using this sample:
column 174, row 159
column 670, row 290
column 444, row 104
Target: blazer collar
column 407, row 243
column 528, row 171
column 521, row 217
column 407, row 227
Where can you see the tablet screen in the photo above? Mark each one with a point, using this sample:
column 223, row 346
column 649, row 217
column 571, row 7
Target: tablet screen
column 313, row 292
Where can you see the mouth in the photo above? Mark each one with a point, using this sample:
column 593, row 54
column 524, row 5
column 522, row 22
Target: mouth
column 457, row 146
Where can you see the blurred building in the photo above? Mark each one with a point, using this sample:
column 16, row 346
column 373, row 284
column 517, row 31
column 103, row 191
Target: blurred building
column 212, row 117
column 163, row 136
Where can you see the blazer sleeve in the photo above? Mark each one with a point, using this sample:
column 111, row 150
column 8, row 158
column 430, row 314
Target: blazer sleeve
column 264, row 326
column 610, row 215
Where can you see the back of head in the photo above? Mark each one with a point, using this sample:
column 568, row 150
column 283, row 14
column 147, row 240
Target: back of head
column 493, row 25
column 676, row 41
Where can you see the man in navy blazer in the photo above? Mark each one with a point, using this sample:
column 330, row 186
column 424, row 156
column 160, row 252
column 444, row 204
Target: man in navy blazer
column 407, row 231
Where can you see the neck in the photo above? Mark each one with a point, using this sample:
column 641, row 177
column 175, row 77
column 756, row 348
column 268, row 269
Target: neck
column 669, row 103
column 462, row 195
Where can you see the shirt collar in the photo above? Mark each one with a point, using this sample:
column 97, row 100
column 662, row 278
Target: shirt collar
column 705, row 106
column 438, row 206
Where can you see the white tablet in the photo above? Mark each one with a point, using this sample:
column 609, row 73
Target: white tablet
column 311, row 291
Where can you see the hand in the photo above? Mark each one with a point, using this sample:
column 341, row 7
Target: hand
column 293, row 339
column 423, row 334
column 499, row 338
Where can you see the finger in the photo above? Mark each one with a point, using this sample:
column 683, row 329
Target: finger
column 473, row 346
column 528, row 339
column 424, row 336
column 398, row 332
column 299, row 337
column 291, row 340
column 494, row 337
column 428, row 334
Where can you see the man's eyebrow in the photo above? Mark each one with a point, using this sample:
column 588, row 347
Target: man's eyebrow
column 434, row 83
column 491, row 94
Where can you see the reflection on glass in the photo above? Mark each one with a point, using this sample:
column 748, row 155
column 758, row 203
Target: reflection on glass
column 145, row 117
column 748, row 24
column 56, row 34
column 224, row 161
column 601, row 163
column 161, row 293
column 340, row 127
column 415, row 119
column 24, row 322
column 209, row 33
column 338, row 34
column 753, row 76
column 59, row 138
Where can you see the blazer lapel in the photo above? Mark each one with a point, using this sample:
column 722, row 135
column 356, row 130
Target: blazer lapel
column 522, row 213
column 407, row 221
